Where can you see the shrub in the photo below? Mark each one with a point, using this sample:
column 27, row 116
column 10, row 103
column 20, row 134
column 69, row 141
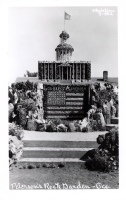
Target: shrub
column 16, row 130
column 28, row 85
column 22, row 110
column 22, row 117
column 32, row 74
column 56, row 121
column 105, row 158
column 16, row 134
column 28, row 105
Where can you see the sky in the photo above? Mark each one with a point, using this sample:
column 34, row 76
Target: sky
column 33, row 35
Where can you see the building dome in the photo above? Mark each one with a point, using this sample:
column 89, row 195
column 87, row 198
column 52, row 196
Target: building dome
column 64, row 35
column 64, row 50
column 64, row 46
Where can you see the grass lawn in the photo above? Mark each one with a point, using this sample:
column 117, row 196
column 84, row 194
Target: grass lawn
column 68, row 177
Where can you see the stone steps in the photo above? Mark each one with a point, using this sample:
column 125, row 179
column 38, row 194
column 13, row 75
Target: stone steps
column 54, row 152
column 56, row 149
column 50, row 160
column 68, row 148
column 60, row 144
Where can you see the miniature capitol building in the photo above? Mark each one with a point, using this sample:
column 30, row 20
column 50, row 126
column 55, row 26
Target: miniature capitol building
column 66, row 86
column 63, row 68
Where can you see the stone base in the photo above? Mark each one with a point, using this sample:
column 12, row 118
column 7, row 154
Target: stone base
column 110, row 126
column 31, row 125
column 114, row 120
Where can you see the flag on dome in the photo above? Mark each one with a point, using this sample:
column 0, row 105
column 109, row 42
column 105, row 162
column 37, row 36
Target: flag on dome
column 67, row 16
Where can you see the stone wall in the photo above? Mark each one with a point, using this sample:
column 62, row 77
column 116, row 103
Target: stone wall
column 40, row 100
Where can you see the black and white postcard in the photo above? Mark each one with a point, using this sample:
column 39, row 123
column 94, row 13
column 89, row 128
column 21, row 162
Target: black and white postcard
column 63, row 114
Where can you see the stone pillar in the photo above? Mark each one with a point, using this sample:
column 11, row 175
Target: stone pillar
column 105, row 75
column 44, row 71
column 57, row 55
column 48, row 71
column 62, row 72
column 89, row 95
column 76, row 70
column 70, row 73
column 59, row 72
column 83, row 71
column 69, row 55
column 80, row 71
column 52, row 71
column 55, row 71
column 67, row 73
column 62, row 54
column 88, row 75
column 73, row 71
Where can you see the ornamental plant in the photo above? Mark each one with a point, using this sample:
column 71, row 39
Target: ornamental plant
column 32, row 74
column 16, row 135
column 28, row 85
column 22, row 109
column 102, row 94
column 16, row 130
column 106, row 156
column 28, row 104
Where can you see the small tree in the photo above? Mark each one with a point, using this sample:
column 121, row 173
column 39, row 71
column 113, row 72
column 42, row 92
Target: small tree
column 32, row 74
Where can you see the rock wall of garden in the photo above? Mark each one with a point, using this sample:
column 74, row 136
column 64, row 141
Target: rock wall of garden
column 40, row 100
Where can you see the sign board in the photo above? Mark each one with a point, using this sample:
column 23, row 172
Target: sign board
column 65, row 101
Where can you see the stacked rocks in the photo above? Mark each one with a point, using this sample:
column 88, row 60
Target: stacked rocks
column 16, row 134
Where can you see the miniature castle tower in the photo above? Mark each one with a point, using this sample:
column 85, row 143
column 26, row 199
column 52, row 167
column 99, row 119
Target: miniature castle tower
column 64, row 50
